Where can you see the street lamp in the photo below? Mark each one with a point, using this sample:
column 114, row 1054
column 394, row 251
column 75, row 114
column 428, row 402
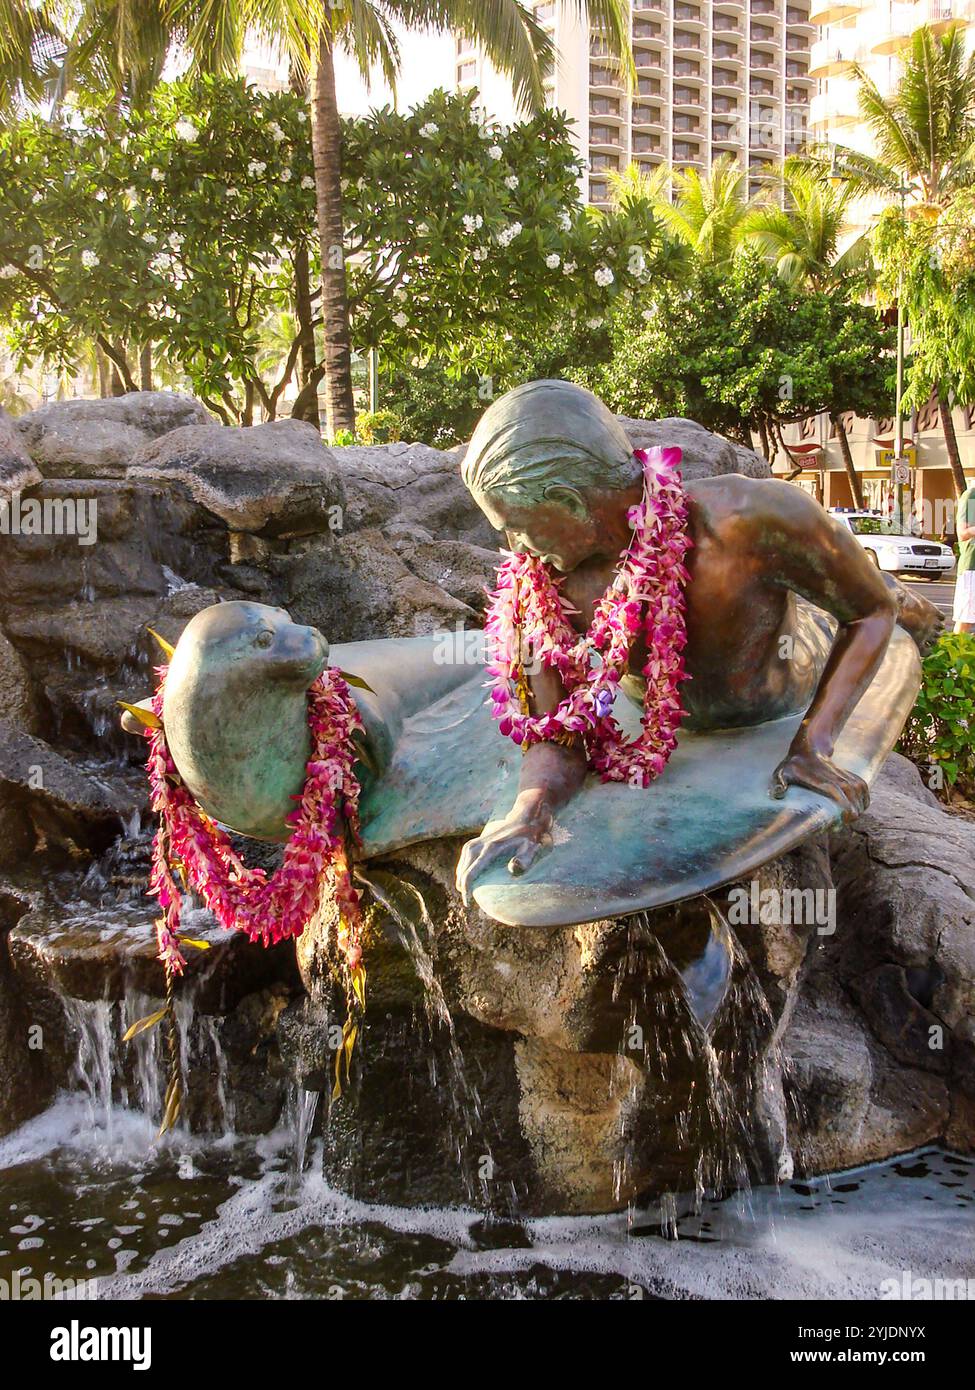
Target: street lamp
column 899, row 460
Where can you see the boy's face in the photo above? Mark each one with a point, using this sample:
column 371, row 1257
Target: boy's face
column 563, row 536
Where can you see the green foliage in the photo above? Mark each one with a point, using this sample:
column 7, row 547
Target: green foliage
column 177, row 226
column 379, row 427
column 931, row 253
column 742, row 351
column 468, row 241
column 939, row 732
column 433, row 406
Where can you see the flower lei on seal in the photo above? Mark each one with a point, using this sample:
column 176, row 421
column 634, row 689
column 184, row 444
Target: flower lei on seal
column 529, row 614
column 317, row 858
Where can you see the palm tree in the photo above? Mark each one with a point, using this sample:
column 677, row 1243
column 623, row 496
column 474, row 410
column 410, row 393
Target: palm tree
column 708, row 210
column 802, row 239
column 924, row 134
column 512, row 39
column 29, row 41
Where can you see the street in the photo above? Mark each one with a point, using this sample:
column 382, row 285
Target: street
column 939, row 592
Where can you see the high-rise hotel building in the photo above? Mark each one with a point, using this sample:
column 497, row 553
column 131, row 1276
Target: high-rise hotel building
column 873, row 34
column 714, row 77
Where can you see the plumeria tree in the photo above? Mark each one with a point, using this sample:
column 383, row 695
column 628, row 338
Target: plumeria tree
column 183, row 227
column 177, row 227
column 467, row 240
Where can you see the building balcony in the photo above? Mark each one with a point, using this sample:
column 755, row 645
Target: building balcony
column 690, row 15
column 687, row 96
column 608, row 107
column 760, row 60
column 763, row 7
column 687, row 150
column 723, row 133
column 649, row 87
column 724, row 105
column 835, row 108
column 727, row 53
column 647, row 29
column 641, row 8
column 796, row 17
column 647, row 144
column 601, row 163
column 686, row 67
column 686, row 39
column 725, row 78
column 796, row 43
column 941, row 15
column 725, row 24
column 833, row 56
column 761, row 87
column 648, row 116
column 897, row 33
column 797, row 72
column 832, row 11
column 605, row 77
column 763, row 33
column 605, row 135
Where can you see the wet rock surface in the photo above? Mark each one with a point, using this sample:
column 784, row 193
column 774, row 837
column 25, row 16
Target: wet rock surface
column 520, row 1070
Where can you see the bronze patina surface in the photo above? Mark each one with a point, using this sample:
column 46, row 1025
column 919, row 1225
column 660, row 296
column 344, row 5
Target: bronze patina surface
column 799, row 687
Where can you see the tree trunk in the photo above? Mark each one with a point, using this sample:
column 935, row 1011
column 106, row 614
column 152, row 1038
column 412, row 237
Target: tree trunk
column 145, row 367
column 951, row 441
column 853, row 478
column 306, row 339
column 118, row 385
column 326, row 138
column 104, row 376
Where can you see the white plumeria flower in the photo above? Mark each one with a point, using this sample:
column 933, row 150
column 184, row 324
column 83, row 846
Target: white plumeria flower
column 507, row 235
column 275, row 132
column 553, row 261
column 647, row 315
column 256, row 168
column 473, row 222
column 156, row 175
column 285, row 175
column 399, row 293
column 149, row 239
column 400, row 319
column 595, row 323
column 302, row 116
column 308, row 181
column 161, row 263
column 565, row 221
column 495, row 151
column 423, row 229
column 132, row 193
column 89, row 260
column 604, row 276
column 512, row 181
column 186, row 130
column 431, row 128
column 480, row 253
column 100, row 196
column 7, row 272
column 569, row 268
column 231, row 192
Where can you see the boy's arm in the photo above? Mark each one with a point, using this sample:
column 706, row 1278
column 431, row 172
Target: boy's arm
column 802, row 548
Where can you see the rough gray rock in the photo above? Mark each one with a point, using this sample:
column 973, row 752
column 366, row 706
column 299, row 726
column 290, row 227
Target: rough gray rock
column 97, row 439
column 28, row 1083
column 18, row 702
column 277, row 479
column 705, row 455
column 64, row 801
column 360, row 587
column 17, row 469
column 410, row 484
column 882, row 1046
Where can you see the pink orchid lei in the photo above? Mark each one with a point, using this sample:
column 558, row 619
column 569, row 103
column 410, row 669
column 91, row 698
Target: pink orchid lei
column 243, row 899
column 529, row 615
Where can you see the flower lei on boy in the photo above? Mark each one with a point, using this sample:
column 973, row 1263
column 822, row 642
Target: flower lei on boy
column 646, row 597
column 317, row 858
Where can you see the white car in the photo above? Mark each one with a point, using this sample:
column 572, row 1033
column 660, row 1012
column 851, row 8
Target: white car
column 891, row 551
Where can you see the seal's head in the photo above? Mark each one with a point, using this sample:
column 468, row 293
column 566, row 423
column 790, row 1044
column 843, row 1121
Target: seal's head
column 236, row 716
column 551, row 466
